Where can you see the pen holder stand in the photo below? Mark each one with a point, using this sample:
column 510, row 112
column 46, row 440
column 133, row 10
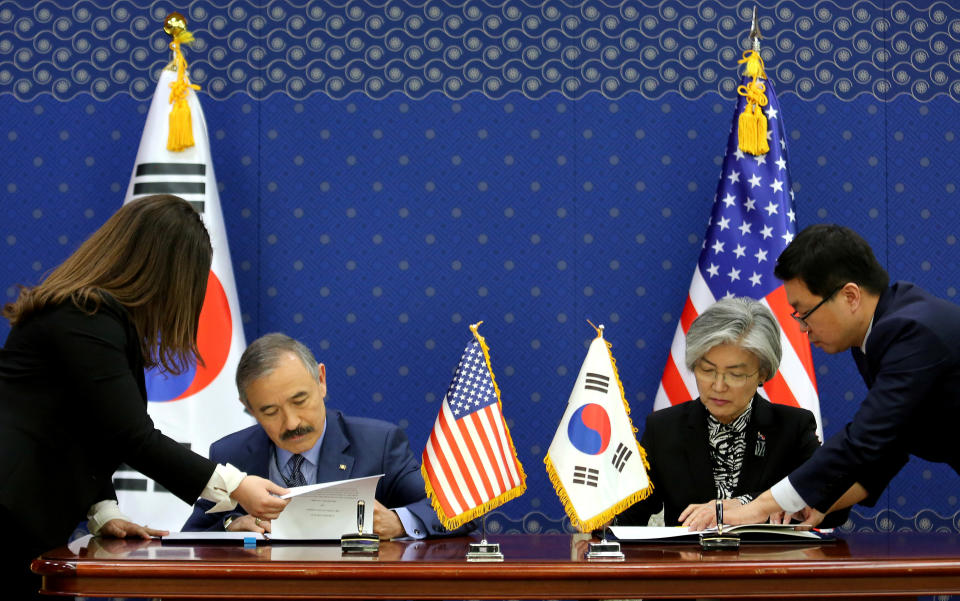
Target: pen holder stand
column 719, row 542
column 360, row 541
column 366, row 542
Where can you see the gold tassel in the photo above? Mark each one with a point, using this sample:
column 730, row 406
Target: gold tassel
column 752, row 124
column 180, row 136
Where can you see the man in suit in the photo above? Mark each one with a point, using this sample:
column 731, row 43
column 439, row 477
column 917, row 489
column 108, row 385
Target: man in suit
column 906, row 344
column 297, row 441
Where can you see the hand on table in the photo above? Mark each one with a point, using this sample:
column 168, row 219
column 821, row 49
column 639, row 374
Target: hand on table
column 248, row 523
column 118, row 528
column 699, row 516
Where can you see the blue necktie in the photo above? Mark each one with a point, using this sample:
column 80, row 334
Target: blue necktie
column 296, row 476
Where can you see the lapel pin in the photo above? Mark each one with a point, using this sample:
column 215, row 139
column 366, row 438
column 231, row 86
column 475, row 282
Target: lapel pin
column 343, row 467
column 761, row 448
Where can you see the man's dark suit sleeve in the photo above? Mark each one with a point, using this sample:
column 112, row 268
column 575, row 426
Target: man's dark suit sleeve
column 908, row 369
column 403, row 486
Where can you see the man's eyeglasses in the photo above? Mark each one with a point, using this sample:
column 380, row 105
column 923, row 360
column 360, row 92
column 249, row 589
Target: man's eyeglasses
column 802, row 319
column 708, row 373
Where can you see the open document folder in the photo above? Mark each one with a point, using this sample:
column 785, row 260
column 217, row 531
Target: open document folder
column 324, row 511
column 748, row 533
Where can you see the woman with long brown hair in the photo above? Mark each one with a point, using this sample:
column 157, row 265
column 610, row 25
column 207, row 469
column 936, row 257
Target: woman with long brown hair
column 72, row 393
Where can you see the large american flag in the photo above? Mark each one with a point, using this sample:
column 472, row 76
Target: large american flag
column 470, row 465
column 751, row 223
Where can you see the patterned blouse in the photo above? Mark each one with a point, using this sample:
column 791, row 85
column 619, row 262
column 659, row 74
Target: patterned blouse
column 728, row 447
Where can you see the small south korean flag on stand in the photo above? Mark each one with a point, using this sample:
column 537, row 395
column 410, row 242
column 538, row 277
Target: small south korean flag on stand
column 595, row 463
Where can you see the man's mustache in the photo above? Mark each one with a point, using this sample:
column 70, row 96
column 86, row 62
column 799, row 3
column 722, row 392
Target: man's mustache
column 298, row 431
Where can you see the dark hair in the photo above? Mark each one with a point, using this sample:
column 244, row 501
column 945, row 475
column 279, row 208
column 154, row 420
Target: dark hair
column 153, row 257
column 826, row 256
column 262, row 356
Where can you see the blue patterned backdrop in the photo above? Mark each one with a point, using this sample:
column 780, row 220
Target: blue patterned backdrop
column 391, row 172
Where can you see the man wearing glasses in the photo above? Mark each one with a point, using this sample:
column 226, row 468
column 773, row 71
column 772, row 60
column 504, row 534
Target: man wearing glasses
column 906, row 344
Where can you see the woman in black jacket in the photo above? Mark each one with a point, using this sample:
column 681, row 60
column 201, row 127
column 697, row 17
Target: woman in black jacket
column 73, row 403
column 730, row 443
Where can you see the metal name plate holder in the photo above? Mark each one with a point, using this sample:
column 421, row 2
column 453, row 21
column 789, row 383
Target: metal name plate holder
column 719, row 541
column 605, row 550
column 484, row 551
column 361, row 542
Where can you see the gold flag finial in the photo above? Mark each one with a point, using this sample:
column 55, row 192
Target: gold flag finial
column 174, row 24
column 180, row 136
column 752, row 127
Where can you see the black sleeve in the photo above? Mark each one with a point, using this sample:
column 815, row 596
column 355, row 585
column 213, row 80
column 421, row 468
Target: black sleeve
column 92, row 350
column 639, row 513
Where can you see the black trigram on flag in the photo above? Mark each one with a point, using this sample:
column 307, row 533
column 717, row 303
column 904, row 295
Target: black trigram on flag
column 186, row 180
column 598, row 382
column 621, row 457
column 584, row 475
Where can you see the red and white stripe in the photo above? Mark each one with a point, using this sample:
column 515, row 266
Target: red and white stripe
column 470, row 461
column 795, row 382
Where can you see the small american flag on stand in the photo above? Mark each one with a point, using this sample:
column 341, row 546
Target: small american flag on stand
column 751, row 223
column 470, row 465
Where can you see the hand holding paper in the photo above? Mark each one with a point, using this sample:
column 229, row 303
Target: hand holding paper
column 259, row 497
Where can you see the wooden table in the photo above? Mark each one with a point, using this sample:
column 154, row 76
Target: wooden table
column 549, row 566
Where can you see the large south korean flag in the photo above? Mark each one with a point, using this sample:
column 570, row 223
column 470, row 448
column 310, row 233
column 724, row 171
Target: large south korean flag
column 200, row 405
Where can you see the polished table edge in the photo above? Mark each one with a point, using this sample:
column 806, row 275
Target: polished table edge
column 713, row 576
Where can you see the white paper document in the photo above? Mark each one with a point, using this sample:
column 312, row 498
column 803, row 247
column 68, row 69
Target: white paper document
column 212, row 537
column 747, row 532
column 325, row 511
